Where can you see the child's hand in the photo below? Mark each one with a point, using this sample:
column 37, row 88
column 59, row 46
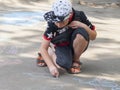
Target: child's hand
column 54, row 71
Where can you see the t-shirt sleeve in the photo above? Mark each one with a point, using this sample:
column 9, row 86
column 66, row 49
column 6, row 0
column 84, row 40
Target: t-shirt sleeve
column 85, row 20
column 49, row 33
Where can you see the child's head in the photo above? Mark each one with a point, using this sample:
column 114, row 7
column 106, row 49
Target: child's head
column 61, row 11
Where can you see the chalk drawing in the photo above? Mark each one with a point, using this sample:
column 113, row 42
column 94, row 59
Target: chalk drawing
column 116, row 88
column 34, row 75
column 38, row 75
column 10, row 50
column 44, row 88
column 102, row 83
column 22, row 18
column 9, row 62
column 13, row 50
column 99, row 83
column 2, row 49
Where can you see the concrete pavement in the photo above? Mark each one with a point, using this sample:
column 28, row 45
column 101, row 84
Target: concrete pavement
column 21, row 28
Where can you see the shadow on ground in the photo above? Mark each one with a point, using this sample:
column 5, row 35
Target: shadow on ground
column 19, row 47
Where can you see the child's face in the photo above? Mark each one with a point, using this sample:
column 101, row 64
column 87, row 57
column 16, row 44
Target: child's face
column 62, row 24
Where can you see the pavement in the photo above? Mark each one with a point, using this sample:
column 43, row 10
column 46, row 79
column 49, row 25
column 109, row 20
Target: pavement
column 21, row 29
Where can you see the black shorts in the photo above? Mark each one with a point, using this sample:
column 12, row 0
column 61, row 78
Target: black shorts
column 65, row 53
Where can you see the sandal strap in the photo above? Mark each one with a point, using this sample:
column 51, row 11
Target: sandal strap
column 78, row 64
column 39, row 54
column 71, row 70
column 40, row 61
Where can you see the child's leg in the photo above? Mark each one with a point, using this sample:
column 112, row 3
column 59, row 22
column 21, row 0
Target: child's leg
column 79, row 45
column 80, row 41
column 64, row 56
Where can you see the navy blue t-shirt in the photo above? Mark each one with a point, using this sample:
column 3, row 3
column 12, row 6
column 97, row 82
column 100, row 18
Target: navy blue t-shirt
column 52, row 30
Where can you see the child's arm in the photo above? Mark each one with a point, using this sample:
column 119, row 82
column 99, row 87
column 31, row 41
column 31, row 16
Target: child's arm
column 44, row 52
column 77, row 24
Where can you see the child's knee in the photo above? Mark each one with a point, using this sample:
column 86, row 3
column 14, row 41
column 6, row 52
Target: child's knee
column 64, row 63
column 79, row 37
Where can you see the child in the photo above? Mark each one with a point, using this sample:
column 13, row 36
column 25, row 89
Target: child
column 69, row 31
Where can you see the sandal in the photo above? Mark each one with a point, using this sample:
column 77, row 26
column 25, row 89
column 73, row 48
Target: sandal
column 40, row 61
column 76, row 68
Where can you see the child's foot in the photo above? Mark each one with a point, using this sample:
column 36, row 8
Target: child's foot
column 40, row 61
column 76, row 68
